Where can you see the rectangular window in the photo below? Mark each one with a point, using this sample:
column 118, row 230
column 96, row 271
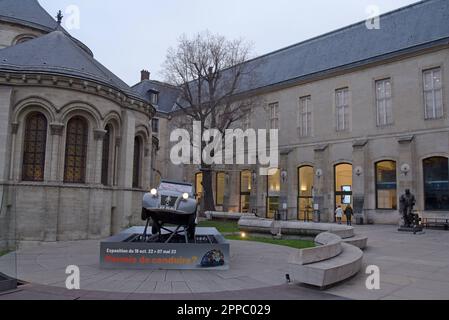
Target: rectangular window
column 342, row 109
column 154, row 98
column 384, row 102
column 305, row 116
column 274, row 115
column 433, row 94
column 155, row 125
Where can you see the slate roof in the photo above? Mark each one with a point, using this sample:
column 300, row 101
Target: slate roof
column 168, row 95
column 31, row 14
column 57, row 53
column 27, row 12
column 407, row 28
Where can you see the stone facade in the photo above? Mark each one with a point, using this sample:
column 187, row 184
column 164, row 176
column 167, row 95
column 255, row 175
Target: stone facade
column 51, row 209
column 408, row 140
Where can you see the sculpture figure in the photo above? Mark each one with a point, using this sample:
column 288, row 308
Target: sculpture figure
column 407, row 203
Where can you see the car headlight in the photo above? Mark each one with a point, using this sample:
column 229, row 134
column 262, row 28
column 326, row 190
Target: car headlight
column 185, row 196
column 153, row 192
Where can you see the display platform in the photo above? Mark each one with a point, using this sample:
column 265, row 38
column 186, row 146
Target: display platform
column 130, row 250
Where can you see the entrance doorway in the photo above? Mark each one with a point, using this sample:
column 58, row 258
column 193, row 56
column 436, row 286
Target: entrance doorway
column 343, row 187
column 305, row 193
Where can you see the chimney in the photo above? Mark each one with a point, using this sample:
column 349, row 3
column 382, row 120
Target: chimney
column 144, row 75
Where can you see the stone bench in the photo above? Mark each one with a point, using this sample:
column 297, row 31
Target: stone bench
column 251, row 223
column 331, row 262
column 328, row 246
column 216, row 215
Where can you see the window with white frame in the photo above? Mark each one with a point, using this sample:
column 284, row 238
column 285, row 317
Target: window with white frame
column 305, row 116
column 384, row 102
column 433, row 94
column 274, row 115
column 342, row 109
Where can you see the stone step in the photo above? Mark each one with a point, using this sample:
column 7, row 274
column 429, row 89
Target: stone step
column 359, row 241
column 329, row 272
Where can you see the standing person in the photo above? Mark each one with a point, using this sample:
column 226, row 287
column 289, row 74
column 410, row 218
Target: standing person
column 339, row 214
column 349, row 212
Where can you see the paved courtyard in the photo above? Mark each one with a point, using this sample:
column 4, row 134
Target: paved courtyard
column 412, row 267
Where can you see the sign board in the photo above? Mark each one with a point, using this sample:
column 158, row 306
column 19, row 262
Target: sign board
column 117, row 253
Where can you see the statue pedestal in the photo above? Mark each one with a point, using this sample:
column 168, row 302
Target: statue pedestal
column 414, row 230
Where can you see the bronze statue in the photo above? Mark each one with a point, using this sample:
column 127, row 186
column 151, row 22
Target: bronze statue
column 407, row 203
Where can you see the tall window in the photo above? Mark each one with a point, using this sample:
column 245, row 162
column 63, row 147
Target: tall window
column 305, row 193
column 342, row 109
column 384, row 103
column 245, row 190
column 106, row 156
column 199, row 186
column 273, row 192
column 433, row 93
column 137, row 163
column 155, row 125
column 343, row 186
column 76, row 151
column 436, row 183
column 154, row 97
column 305, row 116
column 274, row 115
column 386, row 185
column 34, row 147
column 220, row 188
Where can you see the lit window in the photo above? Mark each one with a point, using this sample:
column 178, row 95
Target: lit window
column 384, row 103
column 386, row 185
column 305, row 116
column 342, row 109
column 305, row 192
column 273, row 192
column 220, row 186
column 433, row 94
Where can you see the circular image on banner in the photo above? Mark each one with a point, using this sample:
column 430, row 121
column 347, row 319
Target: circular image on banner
column 214, row 258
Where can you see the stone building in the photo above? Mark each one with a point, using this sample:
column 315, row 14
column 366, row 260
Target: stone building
column 362, row 115
column 75, row 140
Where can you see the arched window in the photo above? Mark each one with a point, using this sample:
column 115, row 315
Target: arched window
column 76, row 151
column 106, row 156
column 343, row 186
column 35, row 142
column 436, row 183
column 137, row 163
column 386, row 185
column 305, row 192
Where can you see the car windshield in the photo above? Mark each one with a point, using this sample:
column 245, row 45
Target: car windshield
column 181, row 188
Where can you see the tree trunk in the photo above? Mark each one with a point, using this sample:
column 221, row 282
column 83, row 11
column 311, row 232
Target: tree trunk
column 209, row 204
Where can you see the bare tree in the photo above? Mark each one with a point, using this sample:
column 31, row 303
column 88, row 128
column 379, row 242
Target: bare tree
column 210, row 71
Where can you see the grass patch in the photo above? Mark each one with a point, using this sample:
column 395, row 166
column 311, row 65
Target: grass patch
column 292, row 243
column 221, row 226
column 230, row 228
column 2, row 253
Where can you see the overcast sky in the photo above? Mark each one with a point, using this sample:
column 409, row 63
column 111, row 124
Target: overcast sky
column 127, row 36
